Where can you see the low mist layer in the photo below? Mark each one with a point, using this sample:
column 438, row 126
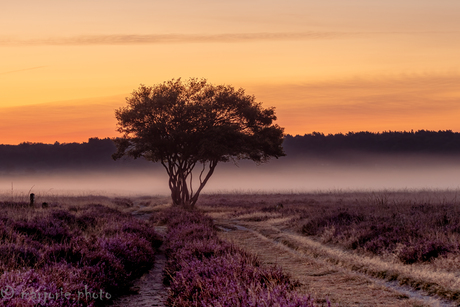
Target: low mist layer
column 355, row 171
column 355, row 161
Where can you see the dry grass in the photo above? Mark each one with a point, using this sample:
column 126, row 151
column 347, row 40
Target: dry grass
column 420, row 276
column 319, row 278
column 145, row 204
column 275, row 231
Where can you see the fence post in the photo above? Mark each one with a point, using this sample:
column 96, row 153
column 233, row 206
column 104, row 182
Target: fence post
column 32, row 199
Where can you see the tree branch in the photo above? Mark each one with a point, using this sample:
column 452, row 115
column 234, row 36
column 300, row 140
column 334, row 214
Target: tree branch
column 212, row 166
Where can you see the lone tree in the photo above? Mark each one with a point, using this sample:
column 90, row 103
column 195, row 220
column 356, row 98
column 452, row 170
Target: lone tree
column 185, row 124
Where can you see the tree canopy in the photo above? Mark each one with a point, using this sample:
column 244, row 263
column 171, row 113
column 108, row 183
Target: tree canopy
column 182, row 124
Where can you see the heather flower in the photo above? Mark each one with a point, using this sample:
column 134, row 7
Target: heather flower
column 205, row 271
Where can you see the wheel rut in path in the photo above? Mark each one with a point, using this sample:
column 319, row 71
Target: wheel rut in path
column 320, row 278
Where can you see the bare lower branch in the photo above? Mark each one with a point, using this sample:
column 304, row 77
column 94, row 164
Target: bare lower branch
column 191, row 184
column 212, row 166
column 204, row 165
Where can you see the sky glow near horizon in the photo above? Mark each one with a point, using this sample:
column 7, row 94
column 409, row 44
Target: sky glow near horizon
column 329, row 66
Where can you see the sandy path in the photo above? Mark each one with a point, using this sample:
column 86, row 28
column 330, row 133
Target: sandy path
column 149, row 289
column 318, row 277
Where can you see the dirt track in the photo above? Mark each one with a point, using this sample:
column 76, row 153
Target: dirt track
column 149, row 289
column 318, row 277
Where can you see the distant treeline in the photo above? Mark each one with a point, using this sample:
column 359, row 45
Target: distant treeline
column 96, row 153
column 421, row 141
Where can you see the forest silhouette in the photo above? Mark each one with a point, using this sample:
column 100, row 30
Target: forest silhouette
column 422, row 141
column 96, row 153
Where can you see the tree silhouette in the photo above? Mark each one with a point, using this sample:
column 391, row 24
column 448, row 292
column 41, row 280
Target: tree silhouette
column 185, row 124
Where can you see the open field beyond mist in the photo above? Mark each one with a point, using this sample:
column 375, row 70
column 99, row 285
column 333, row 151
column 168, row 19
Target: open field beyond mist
column 387, row 248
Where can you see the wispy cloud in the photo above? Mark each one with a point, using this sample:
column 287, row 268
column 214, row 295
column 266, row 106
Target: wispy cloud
column 119, row 39
column 136, row 39
column 20, row 70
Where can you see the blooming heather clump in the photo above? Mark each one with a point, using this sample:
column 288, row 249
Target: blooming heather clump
column 24, row 289
column 205, row 271
column 141, row 230
column 43, row 230
column 134, row 252
column 13, row 254
column 415, row 233
column 81, row 258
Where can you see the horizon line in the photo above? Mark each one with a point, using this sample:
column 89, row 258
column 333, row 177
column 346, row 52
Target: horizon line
column 412, row 131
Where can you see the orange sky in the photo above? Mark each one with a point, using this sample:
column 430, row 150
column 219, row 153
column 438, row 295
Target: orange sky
column 327, row 66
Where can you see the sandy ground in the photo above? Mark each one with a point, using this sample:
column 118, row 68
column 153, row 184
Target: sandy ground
column 149, row 289
column 318, row 277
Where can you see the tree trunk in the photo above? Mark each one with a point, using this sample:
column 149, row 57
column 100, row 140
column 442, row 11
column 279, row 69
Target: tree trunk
column 181, row 193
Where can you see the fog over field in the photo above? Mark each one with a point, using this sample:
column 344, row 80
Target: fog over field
column 352, row 171
column 362, row 173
